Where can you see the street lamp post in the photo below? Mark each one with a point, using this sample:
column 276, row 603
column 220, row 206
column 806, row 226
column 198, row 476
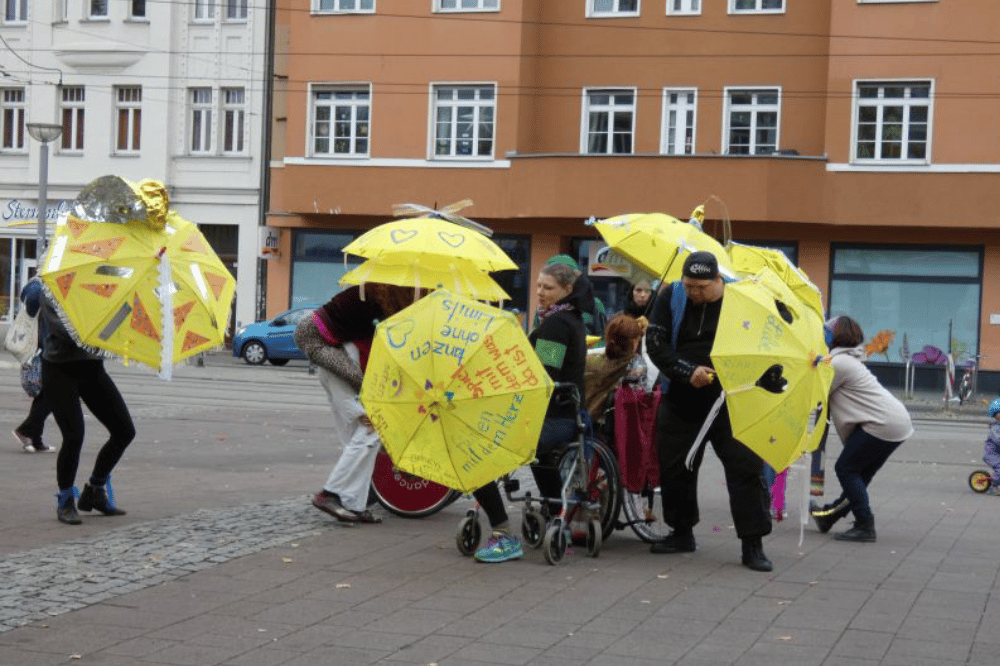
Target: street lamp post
column 43, row 133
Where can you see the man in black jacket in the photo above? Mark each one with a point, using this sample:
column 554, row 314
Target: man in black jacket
column 681, row 350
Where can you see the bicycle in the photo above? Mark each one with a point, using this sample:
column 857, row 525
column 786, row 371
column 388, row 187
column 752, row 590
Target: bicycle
column 967, row 386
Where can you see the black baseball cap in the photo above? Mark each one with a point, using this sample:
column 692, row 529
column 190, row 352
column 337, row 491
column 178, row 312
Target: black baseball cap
column 701, row 266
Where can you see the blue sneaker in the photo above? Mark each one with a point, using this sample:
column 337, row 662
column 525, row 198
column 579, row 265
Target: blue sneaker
column 500, row 548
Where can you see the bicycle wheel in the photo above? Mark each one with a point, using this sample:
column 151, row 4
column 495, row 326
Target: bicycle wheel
column 603, row 485
column 407, row 495
column 979, row 481
column 644, row 513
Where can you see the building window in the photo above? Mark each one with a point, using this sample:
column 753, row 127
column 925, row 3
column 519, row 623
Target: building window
column 72, row 107
column 612, row 7
column 128, row 112
column 609, row 117
column 346, row 6
column 680, row 110
column 234, row 113
column 204, row 10
column 318, row 263
column 466, row 5
column 62, row 10
column 677, row 7
column 15, row 11
column 201, row 120
column 756, row 6
column 752, row 121
column 98, row 9
column 138, row 9
column 236, row 10
column 341, row 121
column 464, row 121
column 12, row 119
column 892, row 121
column 921, row 294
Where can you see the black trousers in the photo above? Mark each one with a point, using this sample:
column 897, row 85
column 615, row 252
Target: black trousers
column 66, row 385
column 34, row 422
column 749, row 498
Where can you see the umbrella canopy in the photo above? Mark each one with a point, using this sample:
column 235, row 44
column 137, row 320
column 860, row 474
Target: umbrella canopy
column 748, row 260
column 456, row 391
column 432, row 242
column 147, row 288
column 769, row 354
column 656, row 243
column 458, row 275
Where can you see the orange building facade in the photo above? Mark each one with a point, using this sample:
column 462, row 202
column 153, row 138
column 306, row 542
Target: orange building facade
column 859, row 136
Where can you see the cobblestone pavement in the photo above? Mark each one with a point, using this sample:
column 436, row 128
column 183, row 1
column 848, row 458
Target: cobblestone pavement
column 57, row 579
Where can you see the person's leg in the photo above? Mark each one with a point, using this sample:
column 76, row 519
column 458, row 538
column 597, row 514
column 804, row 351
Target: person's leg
column 501, row 546
column 105, row 402
column 678, row 484
column 862, row 457
column 991, row 456
column 34, row 422
column 556, row 433
column 351, row 478
column 64, row 399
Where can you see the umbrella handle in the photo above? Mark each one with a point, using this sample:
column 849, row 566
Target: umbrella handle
column 709, row 420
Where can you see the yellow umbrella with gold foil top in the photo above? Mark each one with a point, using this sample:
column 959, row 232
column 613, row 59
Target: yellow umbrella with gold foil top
column 455, row 391
column 134, row 279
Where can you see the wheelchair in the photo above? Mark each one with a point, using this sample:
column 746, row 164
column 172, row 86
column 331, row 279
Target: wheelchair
column 587, row 510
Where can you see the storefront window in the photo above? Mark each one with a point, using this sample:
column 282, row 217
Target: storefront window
column 918, row 294
column 318, row 265
column 515, row 282
column 7, row 294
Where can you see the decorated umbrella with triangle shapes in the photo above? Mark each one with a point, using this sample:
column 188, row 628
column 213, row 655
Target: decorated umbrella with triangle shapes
column 132, row 278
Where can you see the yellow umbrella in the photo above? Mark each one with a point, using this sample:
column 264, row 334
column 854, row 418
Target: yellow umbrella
column 770, row 359
column 455, row 391
column 432, row 242
column 748, row 260
column 147, row 288
column 656, row 243
column 458, row 275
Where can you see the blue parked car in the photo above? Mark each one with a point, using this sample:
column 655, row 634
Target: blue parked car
column 271, row 340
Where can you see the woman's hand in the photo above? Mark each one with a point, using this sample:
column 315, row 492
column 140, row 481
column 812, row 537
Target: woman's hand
column 702, row 376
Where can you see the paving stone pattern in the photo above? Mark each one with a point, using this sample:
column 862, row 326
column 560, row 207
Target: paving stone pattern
column 74, row 574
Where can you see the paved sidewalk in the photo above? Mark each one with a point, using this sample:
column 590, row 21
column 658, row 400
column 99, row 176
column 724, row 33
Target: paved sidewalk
column 256, row 577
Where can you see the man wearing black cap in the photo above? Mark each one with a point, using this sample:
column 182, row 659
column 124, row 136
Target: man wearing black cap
column 681, row 332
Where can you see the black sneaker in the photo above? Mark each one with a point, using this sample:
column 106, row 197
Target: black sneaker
column 42, row 447
column 674, row 543
column 96, row 497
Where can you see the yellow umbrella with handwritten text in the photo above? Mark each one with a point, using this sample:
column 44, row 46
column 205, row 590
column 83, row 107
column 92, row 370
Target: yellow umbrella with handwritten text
column 455, row 391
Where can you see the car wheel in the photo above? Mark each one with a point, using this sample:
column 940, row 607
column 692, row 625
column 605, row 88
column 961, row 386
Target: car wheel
column 278, row 361
column 254, row 353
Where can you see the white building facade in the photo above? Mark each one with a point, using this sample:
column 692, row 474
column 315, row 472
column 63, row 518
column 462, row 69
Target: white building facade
column 172, row 91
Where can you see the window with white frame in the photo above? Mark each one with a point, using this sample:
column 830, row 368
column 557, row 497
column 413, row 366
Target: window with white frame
column 892, row 121
column 204, row 10
column 71, row 105
column 98, row 9
column 234, row 114
column 756, row 6
column 341, row 117
column 128, row 118
column 752, row 120
column 612, row 7
column 15, row 11
column 62, row 10
column 466, row 5
column 137, row 9
column 609, row 115
column 345, row 6
column 12, row 119
column 236, row 10
column 680, row 110
column 464, row 120
column 200, row 123
column 679, row 7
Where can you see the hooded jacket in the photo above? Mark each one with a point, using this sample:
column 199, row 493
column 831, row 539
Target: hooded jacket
column 858, row 400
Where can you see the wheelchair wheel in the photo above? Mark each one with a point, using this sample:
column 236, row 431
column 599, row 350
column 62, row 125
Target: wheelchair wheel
column 603, row 483
column 554, row 544
column 533, row 528
column 594, row 540
column 979, row 481
column 407, row 495
column 470, row 533
column 643, row 511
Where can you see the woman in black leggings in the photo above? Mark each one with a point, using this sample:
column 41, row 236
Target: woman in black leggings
column 71, row 375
